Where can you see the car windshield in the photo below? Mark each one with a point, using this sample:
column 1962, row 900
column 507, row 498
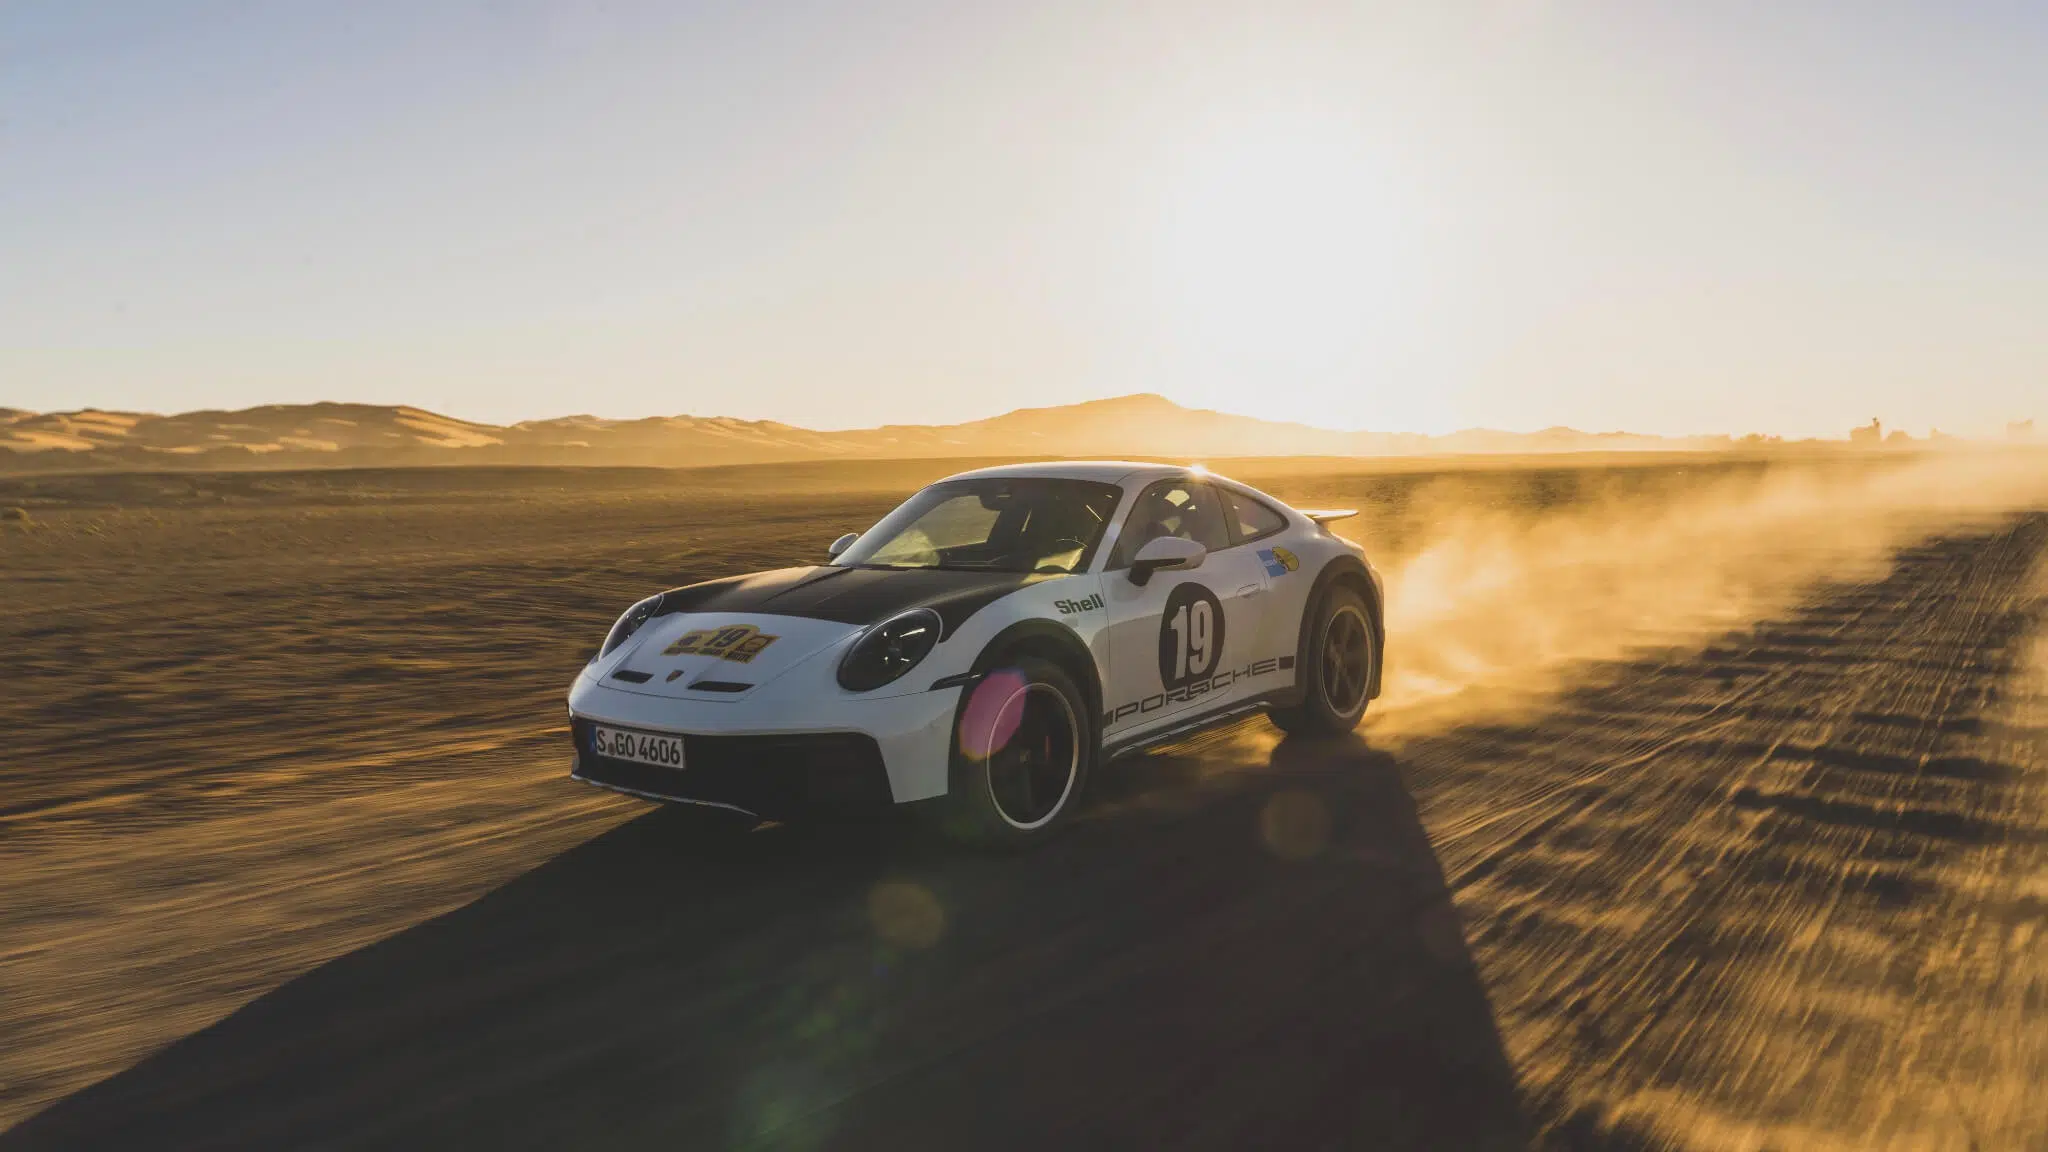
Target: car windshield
column 1030, row 524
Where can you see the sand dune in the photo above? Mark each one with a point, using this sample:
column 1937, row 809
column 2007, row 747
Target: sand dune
column 318, row 435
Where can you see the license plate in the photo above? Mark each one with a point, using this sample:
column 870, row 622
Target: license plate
column 639, row 747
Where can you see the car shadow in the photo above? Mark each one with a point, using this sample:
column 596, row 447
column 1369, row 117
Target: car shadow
column 1265, row 957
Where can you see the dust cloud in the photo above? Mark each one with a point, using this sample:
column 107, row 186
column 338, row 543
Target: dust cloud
column 1492, row 609
column 2030, row 695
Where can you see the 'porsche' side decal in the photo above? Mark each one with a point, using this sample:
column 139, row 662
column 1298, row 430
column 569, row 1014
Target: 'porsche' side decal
column 1186, row 692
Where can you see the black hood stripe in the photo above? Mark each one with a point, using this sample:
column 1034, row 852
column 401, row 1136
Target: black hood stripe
column 859, row 596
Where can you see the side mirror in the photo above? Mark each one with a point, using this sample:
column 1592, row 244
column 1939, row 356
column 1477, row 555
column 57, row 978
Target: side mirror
column 1166, row 552
column 841, row 545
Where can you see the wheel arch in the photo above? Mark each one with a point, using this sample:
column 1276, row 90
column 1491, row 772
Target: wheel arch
column 1056, row 643
column 1349, row 572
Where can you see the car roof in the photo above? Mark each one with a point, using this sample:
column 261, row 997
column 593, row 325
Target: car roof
column 1100, row 471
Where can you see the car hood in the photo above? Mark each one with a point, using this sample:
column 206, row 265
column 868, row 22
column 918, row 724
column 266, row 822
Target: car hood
column 859, row 596
column 723, row 639
column 716, row 655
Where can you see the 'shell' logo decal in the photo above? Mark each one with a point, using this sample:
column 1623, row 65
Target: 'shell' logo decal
column 738, row 642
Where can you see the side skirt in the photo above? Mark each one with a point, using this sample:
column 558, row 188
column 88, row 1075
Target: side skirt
column 1203, row 723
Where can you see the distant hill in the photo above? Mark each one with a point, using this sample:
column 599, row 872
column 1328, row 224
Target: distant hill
column 314, row 435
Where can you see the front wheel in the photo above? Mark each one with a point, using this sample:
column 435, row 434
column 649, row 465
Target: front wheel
column 1023, row 745
column 1343, row 655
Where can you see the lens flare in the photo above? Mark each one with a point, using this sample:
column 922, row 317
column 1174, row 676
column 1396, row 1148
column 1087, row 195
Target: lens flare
column 990, row 718
column 906, row 914
column 1295, row 825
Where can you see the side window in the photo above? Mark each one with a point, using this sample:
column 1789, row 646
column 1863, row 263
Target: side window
column 1183, row 508
column 1251, row 519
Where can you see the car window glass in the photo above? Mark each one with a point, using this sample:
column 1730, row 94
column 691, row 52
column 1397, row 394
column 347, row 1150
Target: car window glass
column 1190, row 511
column 952, row 523
column 1252, row 518
column 992, row 524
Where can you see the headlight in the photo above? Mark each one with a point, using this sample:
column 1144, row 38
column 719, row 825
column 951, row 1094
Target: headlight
column 628, row 624
column 888, row 650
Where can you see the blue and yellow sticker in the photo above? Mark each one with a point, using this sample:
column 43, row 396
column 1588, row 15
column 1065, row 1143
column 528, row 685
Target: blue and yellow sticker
column 1279, row 561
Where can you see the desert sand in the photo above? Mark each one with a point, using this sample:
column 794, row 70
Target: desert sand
column 1707, row 808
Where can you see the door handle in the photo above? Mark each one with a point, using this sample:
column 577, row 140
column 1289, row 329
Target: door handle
column 1250, row 590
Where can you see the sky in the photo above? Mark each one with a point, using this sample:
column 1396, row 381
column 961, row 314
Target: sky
column 1712, row 217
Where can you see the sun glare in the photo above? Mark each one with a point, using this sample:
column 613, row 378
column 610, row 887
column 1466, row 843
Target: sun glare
column 1286, row 265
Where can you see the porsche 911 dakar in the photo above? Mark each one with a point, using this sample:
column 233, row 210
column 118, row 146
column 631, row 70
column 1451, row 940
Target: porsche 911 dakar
column 985, row 647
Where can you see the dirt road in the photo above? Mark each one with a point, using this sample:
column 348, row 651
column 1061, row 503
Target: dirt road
column 1785, row 892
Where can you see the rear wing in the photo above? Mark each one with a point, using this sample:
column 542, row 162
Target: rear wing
column 1325, row 515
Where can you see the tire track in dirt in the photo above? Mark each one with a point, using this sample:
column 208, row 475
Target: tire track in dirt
column 1784, row 892
column 1704, row 939
column 1473, row 843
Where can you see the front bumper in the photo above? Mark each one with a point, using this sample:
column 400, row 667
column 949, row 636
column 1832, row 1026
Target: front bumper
column 769, row 776
column 773, row 758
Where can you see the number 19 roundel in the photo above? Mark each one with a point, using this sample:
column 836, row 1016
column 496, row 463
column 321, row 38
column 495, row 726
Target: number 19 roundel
column 1190, row 635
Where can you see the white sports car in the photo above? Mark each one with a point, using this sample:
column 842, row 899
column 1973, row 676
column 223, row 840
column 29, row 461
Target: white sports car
column 984, row 647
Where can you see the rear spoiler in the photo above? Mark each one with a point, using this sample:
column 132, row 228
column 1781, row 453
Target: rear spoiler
column 1325, row 515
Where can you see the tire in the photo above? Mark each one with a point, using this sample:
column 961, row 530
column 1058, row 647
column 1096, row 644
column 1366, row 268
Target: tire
column 1343, row 654
column 1024, row 743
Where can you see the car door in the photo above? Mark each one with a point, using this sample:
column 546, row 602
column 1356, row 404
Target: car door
column 1176, row 642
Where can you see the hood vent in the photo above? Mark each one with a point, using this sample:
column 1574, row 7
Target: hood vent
column 719, row 686
column 630, row 676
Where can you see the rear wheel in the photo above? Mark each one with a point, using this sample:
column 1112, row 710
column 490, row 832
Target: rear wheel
column 1023, row 745
column 1342, row 659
